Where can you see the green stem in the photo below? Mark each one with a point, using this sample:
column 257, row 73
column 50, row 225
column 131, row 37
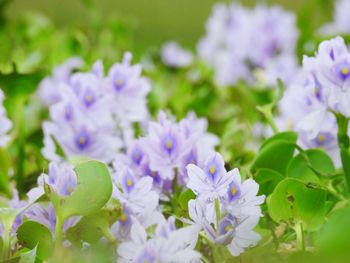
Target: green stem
column 300, row 236
column 266, row 110
column 344, row 144
column 59, row 226
column 217, row 211
column 21, row 144
column 7, row 243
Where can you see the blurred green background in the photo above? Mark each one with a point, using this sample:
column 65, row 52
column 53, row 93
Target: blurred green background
column 155, row 21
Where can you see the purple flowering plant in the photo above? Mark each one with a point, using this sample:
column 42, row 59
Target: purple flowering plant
column 233, row 149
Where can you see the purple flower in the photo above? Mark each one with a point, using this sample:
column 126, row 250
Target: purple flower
column 49, row 91
column 239, row 41
column 127, row 90
column 174, row 56
column 341, row 20
column 166, row 144
column 212, row 181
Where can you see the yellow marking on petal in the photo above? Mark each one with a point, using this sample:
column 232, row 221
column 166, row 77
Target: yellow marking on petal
column 119, row 82
column 123, row 217
column 233, row 191
column 129, row 183
column 321, row 138
column 169, row 144
column 227, row 228
column 345, row 71
column 153, row 173
column 70, row 189
column 212, row 169
column 82, row 140
column 88, row 98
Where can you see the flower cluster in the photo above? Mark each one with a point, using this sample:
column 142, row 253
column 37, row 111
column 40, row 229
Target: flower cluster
column 167, row 245
column 341, row 20
column 240, row 40
column 226, row 208
column 92, row 114
column 310, row 104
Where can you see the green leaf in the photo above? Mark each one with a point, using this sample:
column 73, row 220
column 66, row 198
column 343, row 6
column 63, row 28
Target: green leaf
column 295, row 202
column 29, row 257
column 185, row 197
column 308, row 164
column 282, row 136
column 267, row 180
column 333, row 237
column 94, row 189
column 275, row 155
column 34, row 235
column 17, row 84
column 92, row 228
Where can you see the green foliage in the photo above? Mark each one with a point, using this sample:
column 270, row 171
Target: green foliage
column 94, row 189
column 295, row 202
column 267, row 180
column 276, row 152
column 35, row 236
column 29, row 256
column 308, row 165
column 185, row 197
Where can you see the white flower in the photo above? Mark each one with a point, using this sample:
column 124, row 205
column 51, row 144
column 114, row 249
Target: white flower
column 212, row 181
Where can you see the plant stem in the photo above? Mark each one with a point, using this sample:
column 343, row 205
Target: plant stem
column 344, row 143
column 300, row 236
column 21, row 144
column 7, row 243
column 266, row 110
column 59, row 225
column 217, row 211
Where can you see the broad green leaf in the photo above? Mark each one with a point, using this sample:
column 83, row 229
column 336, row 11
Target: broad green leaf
column 333, row 237
column 94, row 189
column 294, row 202
column 267, row 180
column 275, row 156
column 282, row 136
column 29, row 257
column 92, row 228
column 34, row 235
column 307, row 164
column 17, row 84
column 185, row 197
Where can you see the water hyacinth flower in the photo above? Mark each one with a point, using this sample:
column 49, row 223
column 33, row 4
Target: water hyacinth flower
column 341, row 19
column 237, row 202
column 138, row 199
column 233, row 230
column 127, row 90
column 5, row 123
column 212, row 181
column 166, row 144
column 49, row 91
column 96, row 112
column 173, row 55
column 171, row 245
column 63, row 180
column 265, row 34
